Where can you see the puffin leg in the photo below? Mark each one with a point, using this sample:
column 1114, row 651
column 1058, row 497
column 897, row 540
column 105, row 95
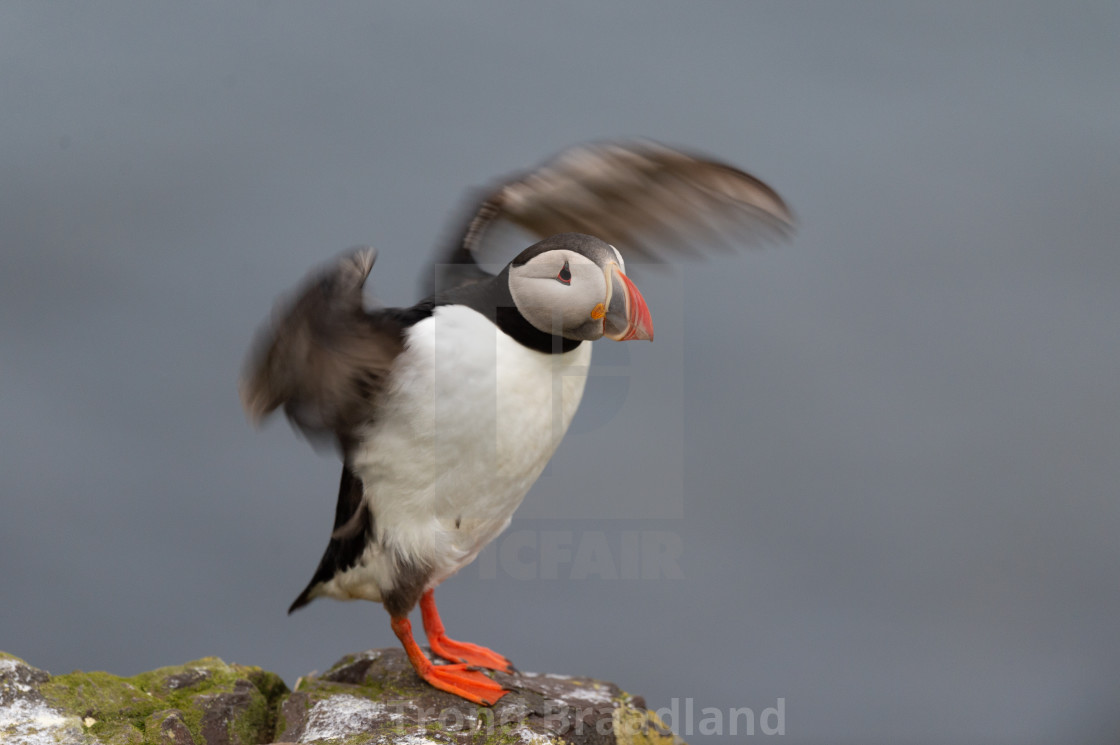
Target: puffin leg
column 449, row 649
column 458, row 679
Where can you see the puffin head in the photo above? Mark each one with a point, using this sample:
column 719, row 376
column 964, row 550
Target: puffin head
column 573, row 285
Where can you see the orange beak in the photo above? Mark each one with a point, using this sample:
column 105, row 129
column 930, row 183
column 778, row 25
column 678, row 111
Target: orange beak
column 627, row 313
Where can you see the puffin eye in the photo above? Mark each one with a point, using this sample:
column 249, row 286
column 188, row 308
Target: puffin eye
column 565, row 275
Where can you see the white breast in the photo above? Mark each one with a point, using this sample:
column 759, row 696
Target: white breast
column 470, row 419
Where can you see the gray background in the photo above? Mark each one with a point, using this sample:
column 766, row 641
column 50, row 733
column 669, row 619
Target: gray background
column 887, row 452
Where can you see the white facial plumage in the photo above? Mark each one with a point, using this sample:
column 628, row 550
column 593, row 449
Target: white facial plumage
column 562, row 292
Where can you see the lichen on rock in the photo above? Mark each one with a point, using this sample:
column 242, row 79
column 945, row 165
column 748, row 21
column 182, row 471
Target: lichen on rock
column 25, row 715
column 373, row 697
column 206, row 701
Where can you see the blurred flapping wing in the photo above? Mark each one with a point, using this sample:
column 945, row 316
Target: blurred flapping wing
column 323, row 357
column 653, row 203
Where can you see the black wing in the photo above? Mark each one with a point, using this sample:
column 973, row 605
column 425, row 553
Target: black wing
column 650, row 201
column 354, row 529
column 324, row 358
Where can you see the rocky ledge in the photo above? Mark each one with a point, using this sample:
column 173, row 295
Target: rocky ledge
column 372, row 697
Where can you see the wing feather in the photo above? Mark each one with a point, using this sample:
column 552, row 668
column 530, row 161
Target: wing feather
column 650, row 201
column 323, row 357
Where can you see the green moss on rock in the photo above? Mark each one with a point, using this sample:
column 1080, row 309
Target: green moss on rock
column 99, row 696
column 634, row 726
column 366, row 698
column 210, row 699
column 119, row 733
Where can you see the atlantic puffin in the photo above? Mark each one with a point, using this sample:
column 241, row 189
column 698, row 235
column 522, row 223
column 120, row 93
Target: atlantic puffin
column 446, row 413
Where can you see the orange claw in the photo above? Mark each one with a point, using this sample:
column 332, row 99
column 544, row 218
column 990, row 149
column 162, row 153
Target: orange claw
column 458, row 679
column 449, row 649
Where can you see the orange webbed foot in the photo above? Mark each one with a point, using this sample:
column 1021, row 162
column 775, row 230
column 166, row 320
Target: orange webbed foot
column 464, row 682
column 471, row 654
column 449, row 649
column 459, row 679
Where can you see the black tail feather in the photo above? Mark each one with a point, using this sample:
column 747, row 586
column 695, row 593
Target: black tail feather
column 353, row 530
